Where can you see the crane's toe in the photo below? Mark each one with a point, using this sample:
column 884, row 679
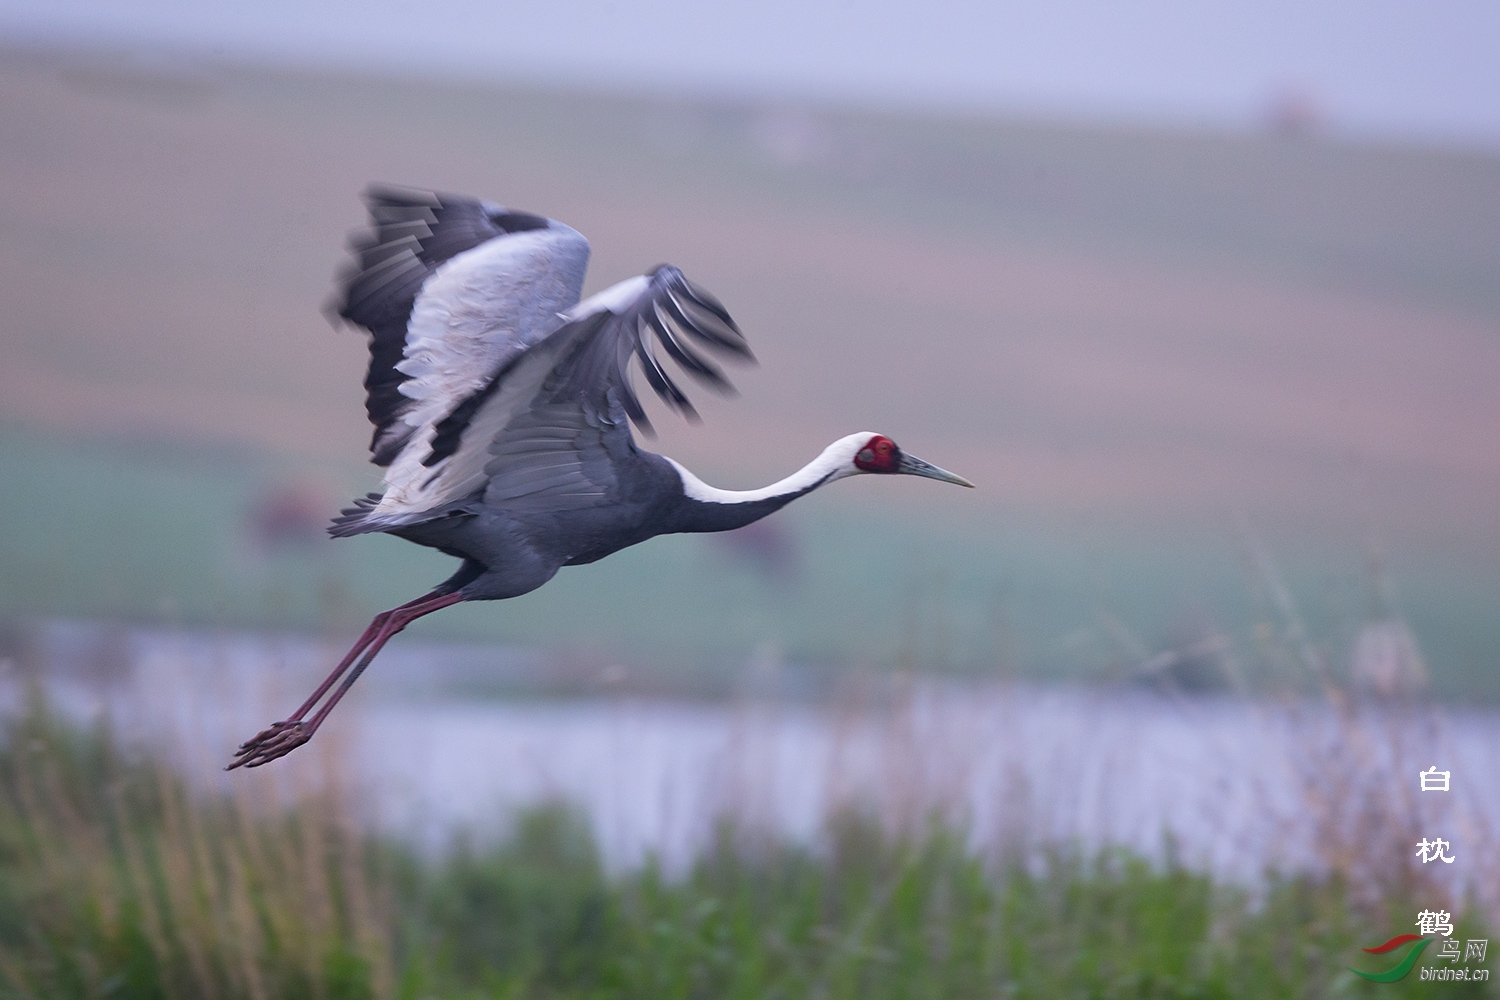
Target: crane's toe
column 277, row 740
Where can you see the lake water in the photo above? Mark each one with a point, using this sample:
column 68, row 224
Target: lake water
column 1238, row 786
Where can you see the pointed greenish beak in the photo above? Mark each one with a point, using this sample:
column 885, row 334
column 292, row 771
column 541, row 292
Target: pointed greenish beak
column 910, row 465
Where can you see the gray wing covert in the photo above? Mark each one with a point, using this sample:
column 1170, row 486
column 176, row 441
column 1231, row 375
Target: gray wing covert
column 563, row 449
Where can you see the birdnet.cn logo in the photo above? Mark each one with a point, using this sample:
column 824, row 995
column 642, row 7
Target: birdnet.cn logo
column 1465, row 958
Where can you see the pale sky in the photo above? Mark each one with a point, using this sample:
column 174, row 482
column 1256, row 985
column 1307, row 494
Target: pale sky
column 1428, row 71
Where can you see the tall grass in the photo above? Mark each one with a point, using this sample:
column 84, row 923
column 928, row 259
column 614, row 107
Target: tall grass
column 116, row 879
column 120, row 879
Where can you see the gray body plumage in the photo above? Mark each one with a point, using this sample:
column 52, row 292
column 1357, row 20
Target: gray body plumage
column 512, row 548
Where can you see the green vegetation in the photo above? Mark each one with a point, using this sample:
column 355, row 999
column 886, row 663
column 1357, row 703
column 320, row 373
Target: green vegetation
column 119, row 880
column 116, row 880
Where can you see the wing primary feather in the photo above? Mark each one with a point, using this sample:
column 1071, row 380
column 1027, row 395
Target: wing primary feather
column 378, row 254
column 651, row 367
column 709, row 304
column 657, row 375
column 671, row 319
column 375, row 280
column 706, row 326
column 406, row 229
column 629, row 401
column 399, row 194
column 680, row 353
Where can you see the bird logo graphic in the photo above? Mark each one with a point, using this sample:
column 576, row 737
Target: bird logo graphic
column 1401, row 968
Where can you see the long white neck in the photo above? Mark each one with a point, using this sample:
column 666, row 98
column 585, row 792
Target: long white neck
column 836, row 462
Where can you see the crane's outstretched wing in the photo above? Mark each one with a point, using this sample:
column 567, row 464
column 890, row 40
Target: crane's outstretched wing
column 451, row 289
column 549, row 427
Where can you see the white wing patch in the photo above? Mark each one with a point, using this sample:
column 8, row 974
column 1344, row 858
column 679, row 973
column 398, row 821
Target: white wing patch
column 481, row 309
column 616, row 298
column 474, row 315
column 420, row 489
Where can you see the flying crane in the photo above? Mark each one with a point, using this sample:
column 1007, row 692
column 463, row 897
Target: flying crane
column 502, row 407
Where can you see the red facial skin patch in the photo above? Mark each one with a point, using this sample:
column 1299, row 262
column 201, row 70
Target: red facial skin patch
column 879, row 454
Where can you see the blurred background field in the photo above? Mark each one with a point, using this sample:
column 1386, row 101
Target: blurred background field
column 1138, row 717
column 1155, row 351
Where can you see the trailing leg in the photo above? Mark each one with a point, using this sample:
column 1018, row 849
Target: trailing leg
column 281, row 738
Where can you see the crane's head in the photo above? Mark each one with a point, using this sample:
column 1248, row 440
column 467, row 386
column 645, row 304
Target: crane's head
column 878, row 454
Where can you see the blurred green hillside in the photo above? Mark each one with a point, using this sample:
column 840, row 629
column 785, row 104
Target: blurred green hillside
column 1153, row 351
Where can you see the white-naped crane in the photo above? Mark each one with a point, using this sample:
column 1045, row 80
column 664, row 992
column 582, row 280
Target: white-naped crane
column 502, row 408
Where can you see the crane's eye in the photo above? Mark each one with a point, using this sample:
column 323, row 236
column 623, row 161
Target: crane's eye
column 879, row 454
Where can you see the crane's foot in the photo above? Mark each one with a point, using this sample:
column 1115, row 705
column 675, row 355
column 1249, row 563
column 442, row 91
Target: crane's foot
column 278, row 740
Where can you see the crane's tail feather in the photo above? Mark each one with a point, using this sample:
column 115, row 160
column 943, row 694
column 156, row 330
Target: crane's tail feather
column 362, row 519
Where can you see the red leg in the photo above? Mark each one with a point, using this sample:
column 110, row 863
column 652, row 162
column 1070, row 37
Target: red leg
column 281, row 738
